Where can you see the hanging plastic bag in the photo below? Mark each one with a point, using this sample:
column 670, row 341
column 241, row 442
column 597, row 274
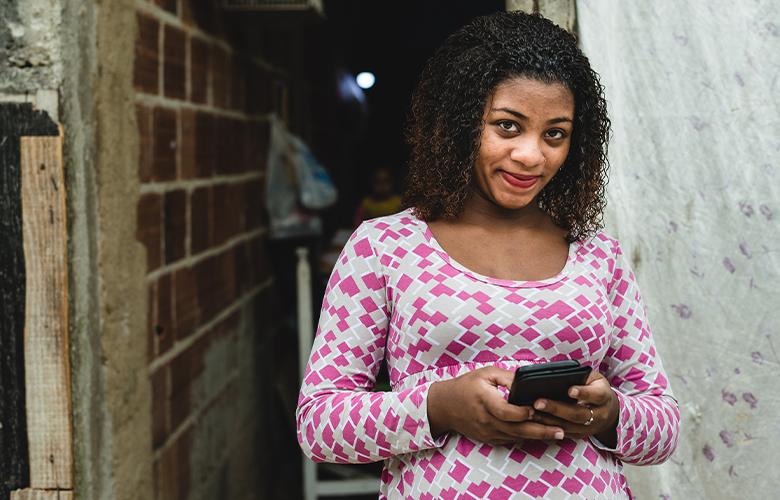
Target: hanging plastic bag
column 314, row 184
column 280, row 185
column 295, row 184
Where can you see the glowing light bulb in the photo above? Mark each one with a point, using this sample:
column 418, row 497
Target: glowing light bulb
column 365, row 80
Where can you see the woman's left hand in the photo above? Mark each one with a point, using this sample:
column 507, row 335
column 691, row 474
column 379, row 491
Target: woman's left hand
column 595, row 396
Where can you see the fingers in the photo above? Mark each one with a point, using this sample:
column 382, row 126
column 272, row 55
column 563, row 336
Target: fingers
column 595, row 392
column 552, row 420
column 499, row 376
column 574, row 413
column 531, row 430
column 497, row 406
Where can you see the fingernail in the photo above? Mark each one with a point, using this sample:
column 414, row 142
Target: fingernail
column 574, row 393
column 559, row 435
column 539, row 405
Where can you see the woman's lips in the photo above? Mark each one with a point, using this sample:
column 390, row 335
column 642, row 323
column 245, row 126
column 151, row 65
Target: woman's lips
column 519, row 181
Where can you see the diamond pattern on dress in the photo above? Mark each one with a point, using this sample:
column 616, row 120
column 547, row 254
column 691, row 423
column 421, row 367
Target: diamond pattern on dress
column 395, row 295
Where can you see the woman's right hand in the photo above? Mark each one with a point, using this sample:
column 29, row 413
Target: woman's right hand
column 473, row 406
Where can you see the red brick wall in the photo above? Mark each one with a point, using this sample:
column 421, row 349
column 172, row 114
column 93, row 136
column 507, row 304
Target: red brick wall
column 203, row 143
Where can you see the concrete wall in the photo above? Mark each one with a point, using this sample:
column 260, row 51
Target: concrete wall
column 693, row 197
column 30, row 50
column 165, row 127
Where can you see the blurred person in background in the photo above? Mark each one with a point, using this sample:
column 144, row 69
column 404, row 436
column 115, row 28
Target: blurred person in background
column 382, row 200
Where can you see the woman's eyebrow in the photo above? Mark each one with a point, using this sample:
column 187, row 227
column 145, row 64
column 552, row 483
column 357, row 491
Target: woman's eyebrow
column 521, row 116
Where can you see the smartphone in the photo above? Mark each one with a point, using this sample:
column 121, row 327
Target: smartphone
column 547, row 380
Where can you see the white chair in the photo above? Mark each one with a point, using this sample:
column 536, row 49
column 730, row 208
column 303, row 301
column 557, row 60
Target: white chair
column 350, row 481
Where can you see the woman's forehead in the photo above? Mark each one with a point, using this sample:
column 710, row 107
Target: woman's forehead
column 522, row 91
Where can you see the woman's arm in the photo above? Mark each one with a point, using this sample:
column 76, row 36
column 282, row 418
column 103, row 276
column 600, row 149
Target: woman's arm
column 649, row 418
column 339, row 420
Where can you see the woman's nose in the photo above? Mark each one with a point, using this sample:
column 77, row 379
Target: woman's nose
column 527, row 151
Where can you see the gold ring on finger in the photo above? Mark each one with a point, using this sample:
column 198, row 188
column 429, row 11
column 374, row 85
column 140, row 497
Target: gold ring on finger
column 590, row 420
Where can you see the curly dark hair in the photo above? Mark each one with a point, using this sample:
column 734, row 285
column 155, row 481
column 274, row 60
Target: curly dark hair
column 446, row 118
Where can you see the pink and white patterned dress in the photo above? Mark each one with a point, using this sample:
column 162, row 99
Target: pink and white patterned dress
column 395, row 294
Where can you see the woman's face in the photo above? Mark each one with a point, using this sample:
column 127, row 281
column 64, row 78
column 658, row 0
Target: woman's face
column 525, row 139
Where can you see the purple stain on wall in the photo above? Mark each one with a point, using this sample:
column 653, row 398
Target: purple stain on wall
column 708, row 453
column 697, row 273
column 727, row 439
column 737, row 371
column 681, row 39
column 729, row 265
column 745, row 249
column 746, row 209
column 757, row 357
column 682, row 310
column 698, row 125
column 672, row 227
column 749, row 60
column 750, row 399
column 739, row 79
column 728, row 397
column 766, row 212
column 732, row 472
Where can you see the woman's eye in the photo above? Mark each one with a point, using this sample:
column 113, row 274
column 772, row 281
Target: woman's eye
column 507, row 126
column 556, row 134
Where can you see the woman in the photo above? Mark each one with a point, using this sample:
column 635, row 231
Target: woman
column 497, row 262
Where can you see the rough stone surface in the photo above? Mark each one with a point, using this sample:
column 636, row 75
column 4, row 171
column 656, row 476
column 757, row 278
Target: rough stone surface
column 693, row 197
column 561, row 12
column 30, row 49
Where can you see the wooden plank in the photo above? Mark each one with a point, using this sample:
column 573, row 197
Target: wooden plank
column 30, row 494
column 46, row 348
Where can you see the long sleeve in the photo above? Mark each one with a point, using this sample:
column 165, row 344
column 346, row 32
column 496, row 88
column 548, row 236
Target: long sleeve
column 339, row 420
column 648, row 426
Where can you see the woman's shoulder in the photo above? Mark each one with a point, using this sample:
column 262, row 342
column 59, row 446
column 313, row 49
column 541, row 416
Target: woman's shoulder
column 390, row 231
column 401, row 223
column 601, row 245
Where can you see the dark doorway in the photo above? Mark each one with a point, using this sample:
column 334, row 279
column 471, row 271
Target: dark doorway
column 392, row 40
column 352, row 132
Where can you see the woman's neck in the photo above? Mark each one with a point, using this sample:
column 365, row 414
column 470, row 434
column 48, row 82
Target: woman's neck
column 478, row 211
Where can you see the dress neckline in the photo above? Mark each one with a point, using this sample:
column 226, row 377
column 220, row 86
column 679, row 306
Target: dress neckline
column 568, row 267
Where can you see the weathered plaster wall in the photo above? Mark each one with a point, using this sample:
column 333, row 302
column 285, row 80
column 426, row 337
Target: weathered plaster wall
column 29, row 48
column 561, row 12
column 92, row 422
column 51, row 53
column 91, row 418
column 121, row 259
column 693, row 197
